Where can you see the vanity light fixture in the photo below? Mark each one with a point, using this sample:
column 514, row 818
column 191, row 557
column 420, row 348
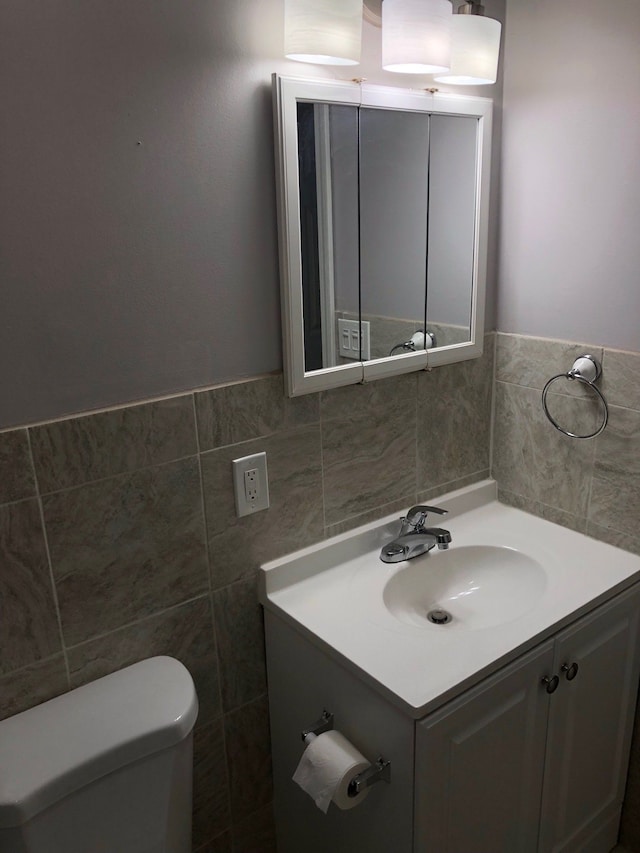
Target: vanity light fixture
column 475, row 47
column 324, row 32
column 416, row 36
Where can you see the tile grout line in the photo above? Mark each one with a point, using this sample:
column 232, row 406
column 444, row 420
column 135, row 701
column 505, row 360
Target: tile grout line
column 157, row 614
column 380, row 512
column 233, row 822
column 18, row 501
column 601, row 352
column 492, row 416
column 206, row 539
column 202, row 501
column 534, row 501
column 45, row 538
column 143, row 401
column 147, row 618
column 196, row 455
column 446, row 486
column 587, row 510
column 146, row 401
column 210, row 596
column 259, row 698
column 261, row 436
column 125, row 473
column 324, row 500
column 529, row 501
column 27, row 666
column 517, row 384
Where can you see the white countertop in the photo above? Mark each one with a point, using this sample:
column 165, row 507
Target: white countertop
column 333, row 594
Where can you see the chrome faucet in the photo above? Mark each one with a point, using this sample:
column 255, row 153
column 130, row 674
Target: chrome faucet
column 414, row 538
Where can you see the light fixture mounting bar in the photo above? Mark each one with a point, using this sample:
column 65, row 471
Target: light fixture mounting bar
column 372, row 11
column 471, row 9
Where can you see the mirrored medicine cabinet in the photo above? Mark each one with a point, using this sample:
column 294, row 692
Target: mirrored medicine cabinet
column 383, row 199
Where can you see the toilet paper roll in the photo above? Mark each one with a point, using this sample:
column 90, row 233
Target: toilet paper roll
column 326, row 768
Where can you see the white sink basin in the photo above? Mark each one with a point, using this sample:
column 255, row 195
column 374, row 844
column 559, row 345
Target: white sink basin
column 509, row 580
column 478, row 586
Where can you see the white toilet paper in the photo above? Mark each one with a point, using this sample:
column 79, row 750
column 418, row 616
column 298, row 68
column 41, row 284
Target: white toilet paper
column 327, row 766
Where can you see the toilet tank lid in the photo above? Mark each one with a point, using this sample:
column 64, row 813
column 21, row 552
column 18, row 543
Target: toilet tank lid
column 62, row 745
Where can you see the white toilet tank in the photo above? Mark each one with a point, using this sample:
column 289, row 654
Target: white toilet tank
column 106, row 768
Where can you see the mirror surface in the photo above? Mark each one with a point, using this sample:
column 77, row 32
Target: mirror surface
column 452, row 208
column 384, row 237
column 394, row 196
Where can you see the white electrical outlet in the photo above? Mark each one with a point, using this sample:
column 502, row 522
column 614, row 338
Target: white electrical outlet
column 349, row 339
column 251, row 484
column 251, row 488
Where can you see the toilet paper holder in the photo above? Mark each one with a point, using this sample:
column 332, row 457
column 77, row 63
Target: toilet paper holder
column 324, row 724
column 378, row 772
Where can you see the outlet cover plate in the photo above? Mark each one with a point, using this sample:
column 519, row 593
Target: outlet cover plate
column 246, row 505
column 349, row 339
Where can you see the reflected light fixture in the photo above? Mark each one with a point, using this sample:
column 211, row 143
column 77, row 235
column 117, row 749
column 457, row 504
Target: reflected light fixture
column 475, row 48
column 324, row 32
column 416, row 36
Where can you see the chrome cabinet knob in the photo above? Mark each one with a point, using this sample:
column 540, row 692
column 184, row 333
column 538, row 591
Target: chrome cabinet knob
column 570, row 670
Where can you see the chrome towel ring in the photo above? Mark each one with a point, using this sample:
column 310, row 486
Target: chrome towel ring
column 587, row 370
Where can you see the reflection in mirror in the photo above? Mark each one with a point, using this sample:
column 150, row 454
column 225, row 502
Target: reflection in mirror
column 343, row 214
column 328, row 179
column 394, row 192
column 309, row 236
column 452, row 206
column 414, row 231
column 383, row 210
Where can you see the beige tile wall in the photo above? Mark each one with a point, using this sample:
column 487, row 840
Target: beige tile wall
column 119, row 540
column 591, row 486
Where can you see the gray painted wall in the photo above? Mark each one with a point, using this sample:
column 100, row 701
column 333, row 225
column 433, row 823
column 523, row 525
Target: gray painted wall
column 570, row 252
column 137, row 206
column 137, row 201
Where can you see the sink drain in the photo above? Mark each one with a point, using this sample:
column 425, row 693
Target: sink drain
column 439, row 617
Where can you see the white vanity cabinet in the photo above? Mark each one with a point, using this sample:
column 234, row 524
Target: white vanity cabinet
column 480, row 764
column 509, row 767
column 590, row 727
column 507, row 729
column 506, row 767
column 304, row 681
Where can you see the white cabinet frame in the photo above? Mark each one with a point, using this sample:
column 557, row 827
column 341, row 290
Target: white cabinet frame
column 287, row 93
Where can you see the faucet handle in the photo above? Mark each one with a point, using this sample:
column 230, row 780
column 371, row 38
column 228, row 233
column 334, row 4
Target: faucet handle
column 417, row 515
column 443, row 537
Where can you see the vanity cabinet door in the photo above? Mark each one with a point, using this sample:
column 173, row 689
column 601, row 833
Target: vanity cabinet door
column 590, row 726
column 480, row 762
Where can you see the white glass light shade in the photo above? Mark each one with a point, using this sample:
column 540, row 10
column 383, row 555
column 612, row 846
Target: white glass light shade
column 416, row 36
column 475, row 48
column 324, row 32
